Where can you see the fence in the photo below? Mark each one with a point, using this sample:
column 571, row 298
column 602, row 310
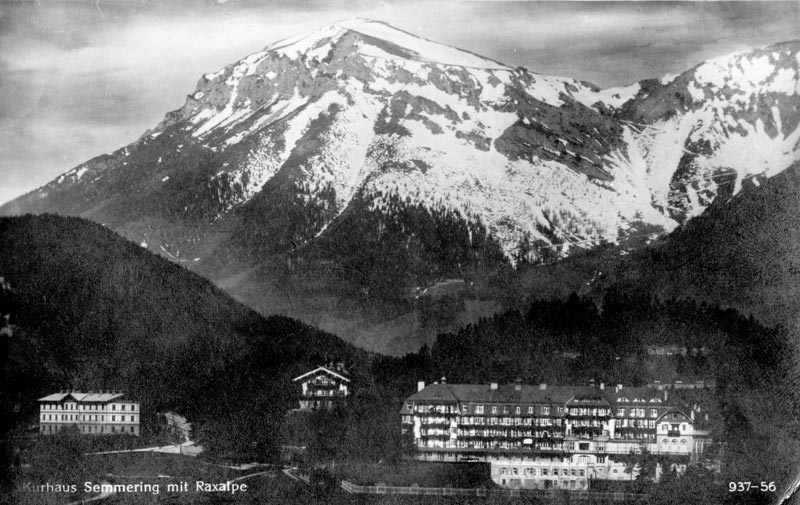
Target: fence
column 550, row 494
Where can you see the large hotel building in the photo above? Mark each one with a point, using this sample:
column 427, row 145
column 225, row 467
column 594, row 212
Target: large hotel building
column 551, row 437
column 103, row 413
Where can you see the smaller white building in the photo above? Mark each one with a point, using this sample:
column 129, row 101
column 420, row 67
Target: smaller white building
column 94, row 413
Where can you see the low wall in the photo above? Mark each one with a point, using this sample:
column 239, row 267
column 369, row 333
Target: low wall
column 451, row 491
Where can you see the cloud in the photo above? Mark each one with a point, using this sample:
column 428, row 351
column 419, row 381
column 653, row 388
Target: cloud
column 79, row 78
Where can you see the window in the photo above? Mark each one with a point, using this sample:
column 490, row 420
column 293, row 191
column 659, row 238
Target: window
column 494, row 409
column 600, row 459
column 530, row 410
column 518, row 410
column 583, row 446
column 620, row 412
column 545, row 411
column 479, row 409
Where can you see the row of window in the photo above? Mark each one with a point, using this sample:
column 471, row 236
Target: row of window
column 90, row 407
column 324, row 392
column 508, row 433
column 636, row 412
column 556, row 484
column 532, row 472
column 543, row 411
column 639, row 400
column 91, row 417
column 634, row 423
column 583, row 411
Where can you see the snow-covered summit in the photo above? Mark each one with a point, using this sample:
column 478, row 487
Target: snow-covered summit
column 378, row 39
column 358, row 115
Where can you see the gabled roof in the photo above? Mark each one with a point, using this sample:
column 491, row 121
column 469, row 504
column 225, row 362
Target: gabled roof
column 321, row 369
column 82, row 397
column 55, row 397
column 674, row 410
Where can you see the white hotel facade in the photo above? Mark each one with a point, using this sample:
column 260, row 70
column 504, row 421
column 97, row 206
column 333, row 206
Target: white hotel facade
column 94, row 413
column 552, row 437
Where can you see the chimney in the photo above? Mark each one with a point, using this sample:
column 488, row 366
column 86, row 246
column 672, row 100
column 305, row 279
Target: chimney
column 602, row 386
column 518, row 384
column 420, row 385
column 542, row 386
column 618, row 388
column 493, row 386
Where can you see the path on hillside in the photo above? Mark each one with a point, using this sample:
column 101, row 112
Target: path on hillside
column 187, row 448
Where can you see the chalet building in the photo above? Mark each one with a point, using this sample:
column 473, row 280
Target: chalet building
column 94, row 413
column 549, row 437
column 322, row 387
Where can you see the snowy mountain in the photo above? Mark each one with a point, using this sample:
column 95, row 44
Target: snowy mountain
column 351, row 168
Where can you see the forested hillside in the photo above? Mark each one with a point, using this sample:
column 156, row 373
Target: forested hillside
column 82, row 308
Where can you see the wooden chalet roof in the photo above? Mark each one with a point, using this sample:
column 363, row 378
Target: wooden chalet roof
column 324, row 370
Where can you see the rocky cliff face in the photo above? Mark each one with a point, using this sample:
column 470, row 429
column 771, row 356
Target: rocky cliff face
column 357, row 165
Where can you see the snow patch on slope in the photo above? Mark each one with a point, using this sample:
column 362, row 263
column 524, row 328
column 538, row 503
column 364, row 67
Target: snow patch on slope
column 318, row 42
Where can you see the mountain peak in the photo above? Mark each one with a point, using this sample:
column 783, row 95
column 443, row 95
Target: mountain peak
column 380, row 40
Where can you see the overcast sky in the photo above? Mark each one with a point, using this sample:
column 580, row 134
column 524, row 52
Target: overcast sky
column 79, row 78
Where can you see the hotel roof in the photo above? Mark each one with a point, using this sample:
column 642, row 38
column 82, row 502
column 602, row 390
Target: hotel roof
column 82, row 397
column 508, row 393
